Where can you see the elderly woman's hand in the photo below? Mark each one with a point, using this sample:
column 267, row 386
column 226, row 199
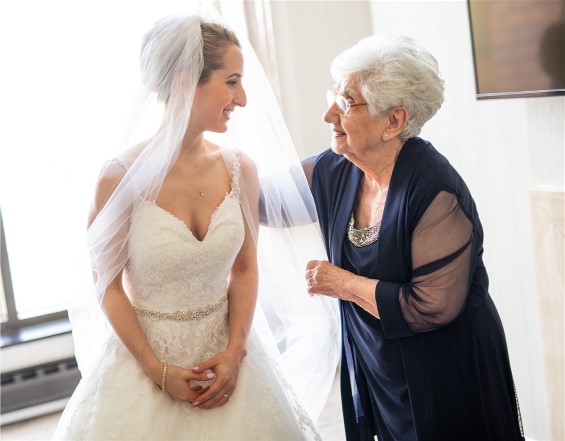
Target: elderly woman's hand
column 324, row 278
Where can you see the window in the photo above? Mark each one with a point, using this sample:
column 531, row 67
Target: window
column 69, row 71
column 10, row 318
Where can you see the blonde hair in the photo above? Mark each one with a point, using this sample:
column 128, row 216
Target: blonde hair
column 215, row 40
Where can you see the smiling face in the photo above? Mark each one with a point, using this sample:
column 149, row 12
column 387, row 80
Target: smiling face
column 215, row 99
column 356, row 133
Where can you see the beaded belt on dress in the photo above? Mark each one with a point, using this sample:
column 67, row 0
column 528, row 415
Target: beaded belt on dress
column 182, row 315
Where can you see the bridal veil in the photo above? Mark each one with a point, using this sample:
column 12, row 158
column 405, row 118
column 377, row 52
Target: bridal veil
column 301, row 332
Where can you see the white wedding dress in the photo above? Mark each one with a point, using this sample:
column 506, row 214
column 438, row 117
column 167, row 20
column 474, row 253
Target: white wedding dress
column 178, row 288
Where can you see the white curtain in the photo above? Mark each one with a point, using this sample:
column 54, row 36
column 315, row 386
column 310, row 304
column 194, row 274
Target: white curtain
column 253, row 19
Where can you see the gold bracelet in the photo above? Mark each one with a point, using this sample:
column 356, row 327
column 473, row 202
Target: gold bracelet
column 162, row 388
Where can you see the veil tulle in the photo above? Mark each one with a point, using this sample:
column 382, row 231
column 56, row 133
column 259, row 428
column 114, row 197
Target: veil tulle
column 301, row 332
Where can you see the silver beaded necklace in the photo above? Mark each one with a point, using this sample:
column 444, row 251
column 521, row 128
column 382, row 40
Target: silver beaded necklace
column 364, row 236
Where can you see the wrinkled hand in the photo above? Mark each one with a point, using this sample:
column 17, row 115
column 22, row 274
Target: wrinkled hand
column 178, row 383
column 323, row 277
column 225, row 365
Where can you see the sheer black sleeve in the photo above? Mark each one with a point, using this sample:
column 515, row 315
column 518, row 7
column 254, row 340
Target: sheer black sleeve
column 441, row 256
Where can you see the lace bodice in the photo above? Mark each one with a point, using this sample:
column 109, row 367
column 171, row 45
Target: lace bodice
column 177, row 284
column 169, row 269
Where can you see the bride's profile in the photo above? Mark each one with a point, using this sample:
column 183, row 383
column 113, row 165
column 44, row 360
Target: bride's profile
column 173, row 238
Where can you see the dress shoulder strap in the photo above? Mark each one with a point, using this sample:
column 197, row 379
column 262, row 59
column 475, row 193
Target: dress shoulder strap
column 130, row 181
column 235, row 172
column 121, row 163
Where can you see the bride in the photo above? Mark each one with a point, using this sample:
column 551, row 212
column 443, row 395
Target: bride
column 173, row 239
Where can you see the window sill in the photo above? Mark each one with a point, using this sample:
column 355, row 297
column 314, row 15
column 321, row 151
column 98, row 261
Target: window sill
column 32, row 333
column 36, row 345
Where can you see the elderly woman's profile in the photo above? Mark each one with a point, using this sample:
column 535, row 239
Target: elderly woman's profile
column 424, row 353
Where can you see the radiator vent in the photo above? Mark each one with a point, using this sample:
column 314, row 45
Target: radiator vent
column 39, row 384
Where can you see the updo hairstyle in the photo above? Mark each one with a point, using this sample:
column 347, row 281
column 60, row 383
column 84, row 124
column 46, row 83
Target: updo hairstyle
column 215, row 41
column 178, row 45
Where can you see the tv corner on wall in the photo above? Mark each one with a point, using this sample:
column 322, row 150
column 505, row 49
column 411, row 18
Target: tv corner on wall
column 518, row 47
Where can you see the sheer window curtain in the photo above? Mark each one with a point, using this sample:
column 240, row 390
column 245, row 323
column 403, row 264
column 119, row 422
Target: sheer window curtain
column 253, row 19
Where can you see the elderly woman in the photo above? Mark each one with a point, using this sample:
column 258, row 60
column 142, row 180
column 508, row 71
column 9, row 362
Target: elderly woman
column 424, row 353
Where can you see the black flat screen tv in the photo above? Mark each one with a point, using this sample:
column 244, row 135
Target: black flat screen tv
column 518, row 47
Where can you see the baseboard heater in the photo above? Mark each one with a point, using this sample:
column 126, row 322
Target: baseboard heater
column 38, row 385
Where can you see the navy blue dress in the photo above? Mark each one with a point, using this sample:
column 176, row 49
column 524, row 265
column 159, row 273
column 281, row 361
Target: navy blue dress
column 400, row 381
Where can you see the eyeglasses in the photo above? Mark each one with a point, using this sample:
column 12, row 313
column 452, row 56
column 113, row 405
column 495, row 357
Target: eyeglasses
column 342, row 104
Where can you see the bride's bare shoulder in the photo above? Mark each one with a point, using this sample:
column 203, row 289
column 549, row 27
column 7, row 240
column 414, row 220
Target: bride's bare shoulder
column 247, row 166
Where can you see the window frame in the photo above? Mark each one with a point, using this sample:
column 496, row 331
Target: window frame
column 11, row 328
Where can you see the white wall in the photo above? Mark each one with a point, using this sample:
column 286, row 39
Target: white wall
column 503, row 148
column 308, row 35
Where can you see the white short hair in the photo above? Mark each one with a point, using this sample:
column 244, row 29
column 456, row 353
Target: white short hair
column 394, row 71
